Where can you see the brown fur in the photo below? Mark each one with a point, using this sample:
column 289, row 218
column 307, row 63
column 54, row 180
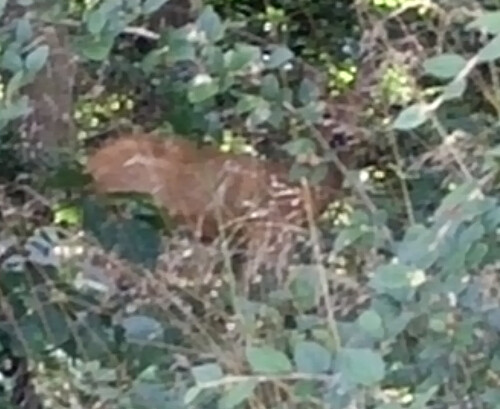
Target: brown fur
column 210, row 191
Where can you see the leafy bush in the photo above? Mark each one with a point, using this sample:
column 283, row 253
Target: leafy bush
column 392, row 299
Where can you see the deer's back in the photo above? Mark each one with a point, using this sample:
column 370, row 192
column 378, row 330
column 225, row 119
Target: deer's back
column 206, row 189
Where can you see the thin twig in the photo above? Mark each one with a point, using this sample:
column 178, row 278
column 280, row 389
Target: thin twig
column 402, row 178
column 313, row 230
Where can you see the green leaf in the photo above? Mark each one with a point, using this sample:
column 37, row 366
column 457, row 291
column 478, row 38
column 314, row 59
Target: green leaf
column 318, row 174
column 311, row 113
column 95, row 48
column 444, row 66
column 421, row 400
column 12, row 61
column 14, row 84
column 202, row 87
column 489, row 21
column 24, row 31
column 455, row 89
column 147, row 393
column 247, row 103
column 361, row 366
column 389, row 406
column 180, row 50
column 391, row 276
column 347, row 237
column 56, row 323
column 30, row 334
column 270, row 88
column 138, row 242
column 491, row 51
column 476, row 254
column 47, row 328
column 191, row 394
column 305, row 286
column 210, row 23
column 396, row 276
column 207, row 373
column 237, row 394
column 96, row 21
column 396, row 325
column 241, row 57
column 298, row 171
column 462, row 195
column 277, row 117
column 15, row 109
column 308, row 91
column 437, row 324
column 279, row 56
column 150, row 6
column 36, row 59
column 140, row 328
column 267, row 360
column 311, row 357
column 371, row 323
column 259, row 115
column 214, row 59
column 411, row 117
column 68, row 214
column 3, row 3
column 299, row 146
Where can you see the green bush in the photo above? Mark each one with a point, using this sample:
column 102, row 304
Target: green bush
column 395, row 305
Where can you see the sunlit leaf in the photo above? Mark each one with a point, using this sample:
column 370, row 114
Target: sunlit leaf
column 95, row 48
column 202, row 88
column 37, row 58
column 207, row 373
column 3, row 3
column 279, row 56
column 270, row 88
column 15, row 109
column 308, row 91
column 259, row 114
column 24, row 30
column 180, row 50
column 247, row 103
column 411, row 117
column 371, row 323
column 361, row 366
column 396, row 276
column 210, row 23
column 267, row 360
column 96, row 21
column 347, row 237
column 14, row 84
column 491, row 51
column 455, row 89
column 445, row 65
column 241, row 57
column 11, row 60
column 191, row 394
column 489, row 21
column 311, row 357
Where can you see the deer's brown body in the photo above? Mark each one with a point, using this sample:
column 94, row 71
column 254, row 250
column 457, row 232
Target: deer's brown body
column 210, row 191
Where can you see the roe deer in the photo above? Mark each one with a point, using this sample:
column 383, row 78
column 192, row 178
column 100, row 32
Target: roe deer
column 210, row 191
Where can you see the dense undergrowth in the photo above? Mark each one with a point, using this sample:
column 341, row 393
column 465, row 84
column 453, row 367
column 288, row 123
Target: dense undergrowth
column 391, row 298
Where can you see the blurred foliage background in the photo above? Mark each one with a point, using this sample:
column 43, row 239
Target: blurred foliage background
column 105, row 304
